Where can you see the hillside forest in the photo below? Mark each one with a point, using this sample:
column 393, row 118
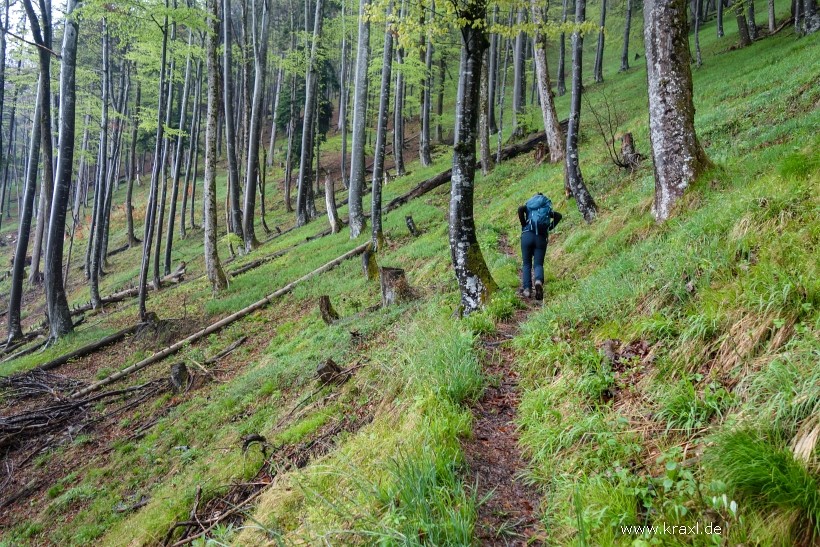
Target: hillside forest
column 263, row 277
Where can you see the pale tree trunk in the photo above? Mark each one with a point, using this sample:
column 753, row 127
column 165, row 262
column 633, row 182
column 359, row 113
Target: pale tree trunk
column 2, row 101
column 193, row 143
column 519, row 78
column 276, row 94
column 59, row 315
column 343, row 100
column 562, row 48
column 772, row 17
column 15, row 330
column 330, row 206
column 698, row 56
column 811, row 17
column 398, row 109
column 43, row 36
column 676, row 152
column 752, row 22
column 213, row 267
column 426, row 103
column 575, row 180
column 100, row 195
column 502, row 95
column 381, row 135
column 132, row 173
column 492, row 77
column 627, row 30
column 473, row 275
column 598, row 71
column 260, row 32
column 357, row 170
column 303, row 195
column 542, row 77
column 483, row 116
column 230, row 123
column 155, row 174
column 166, row 144
column 442, row 74
column 178, row 153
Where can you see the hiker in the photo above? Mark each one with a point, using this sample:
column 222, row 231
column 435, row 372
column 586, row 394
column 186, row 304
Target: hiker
column 537, row 219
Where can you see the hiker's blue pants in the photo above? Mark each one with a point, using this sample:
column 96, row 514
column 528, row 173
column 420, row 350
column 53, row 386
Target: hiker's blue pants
column 533, row 249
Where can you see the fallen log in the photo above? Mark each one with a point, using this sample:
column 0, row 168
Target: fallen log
column 258, row 305
column 260, row 261
column 88, row 349
column 176, row 277
column 118, row 250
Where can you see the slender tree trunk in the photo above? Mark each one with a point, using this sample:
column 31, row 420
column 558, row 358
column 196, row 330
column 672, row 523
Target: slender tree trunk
column 676, row 152
column 472, row 273
column 132, row 173
column 276, row 94
column 483, row 116
column 562, row 47
column 772, row 17
column 575, row 180
column 442, row 74
column 291, row 138
column 155, row 174
column 698, row 56
column 492, row 78
column 15, row 330
column 627, row 30
column 519, row 78
column 192, row 144
column 357, row 170
column 542, row 76
column 721, row 5
column 344, row 96
column 176, row 173
column 212, row 264
column 5, row 198
column 230, row 123
column 303, row 197
column 59, row 315
column 95, row 265
column 426, row 105
column 502, row 96
column 381, row 135
column 260, row 33
column 599, row 51
column 752, row 22
column 398, row 109
column 2, row 101
column 330, row 206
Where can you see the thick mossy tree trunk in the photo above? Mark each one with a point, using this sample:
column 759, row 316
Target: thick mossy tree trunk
column 377, row 235
column 542, row 76
column 474, row 279
column 59, row 314
column 676, row 152
column 213, row 267
column 575, row 180
column 357, row 170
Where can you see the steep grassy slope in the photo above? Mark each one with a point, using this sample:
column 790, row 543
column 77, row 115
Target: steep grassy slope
column 662, row 358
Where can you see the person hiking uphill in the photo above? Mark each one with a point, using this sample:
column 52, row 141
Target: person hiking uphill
column 537, row 219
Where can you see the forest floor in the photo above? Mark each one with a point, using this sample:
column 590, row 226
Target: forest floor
column 658, row 352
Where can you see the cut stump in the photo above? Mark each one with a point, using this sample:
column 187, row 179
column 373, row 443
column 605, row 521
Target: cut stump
column 395, row 288
column 329, row 315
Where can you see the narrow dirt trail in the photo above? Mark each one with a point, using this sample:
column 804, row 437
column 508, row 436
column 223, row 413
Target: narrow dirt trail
column 509, row 514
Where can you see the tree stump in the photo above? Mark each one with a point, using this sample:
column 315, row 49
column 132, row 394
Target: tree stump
column 369, row 266
column 394, row 286
column 328, row 371
column 329, row 315
column 411, row 225
column 630, row 157
column 179, row 377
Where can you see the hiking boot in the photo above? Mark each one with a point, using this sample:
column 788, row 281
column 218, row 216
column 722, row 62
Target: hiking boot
column 525, row 293
column 539, row 290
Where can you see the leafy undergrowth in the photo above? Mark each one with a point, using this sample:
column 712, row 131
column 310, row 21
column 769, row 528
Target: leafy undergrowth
column 671, row 376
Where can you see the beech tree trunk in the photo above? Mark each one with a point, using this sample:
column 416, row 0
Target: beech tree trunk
column 15, row 330
column 698, row 56
column 304, row 195
column 95, row 264
column 426, row 104
column 213, row 267
column 330, row 206
column 59, row 314
column 230, row 123
column 280, row 73
column 551, row 127
column 627, row 30
column 575, row 180
column 519, row 77
column 752, row 22
column 720, row 6
column 562, row 47
column 132, row 173
column 472, row 273
column 676, row 152
column 193, row 146
column 772, row 17
column 381, row 135
column 483, row 117
column 811, row 17
column 260, row 32
column 492, row 77
column 398, row 109
column 599, row 51
column 357, row 171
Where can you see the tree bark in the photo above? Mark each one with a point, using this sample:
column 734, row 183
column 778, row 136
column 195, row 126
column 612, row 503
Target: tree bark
column 811, row 17
column 330, row 206
column 155, row 174
column 752, row 22
column 483, row 117
column 519, row 78
column 280, row 73
column 676, row 152
column 772, row 17
column 260, row 34
column 426, row 104
column 193, row 144
column 398, row 109
column 551, row 127
column 132, row 173
column 377, row 234
column 213, row 267
column 698, row 56
column 575, row 180
column 95, row 265
column 15, row 330
column 473, row 275
column 230, row 123
column 357, row 170
column 627, row 30
column 303, row 195
column 59, row 315
column 720, row 6
column 492, row 77
column 598, row 69
column 562, row 48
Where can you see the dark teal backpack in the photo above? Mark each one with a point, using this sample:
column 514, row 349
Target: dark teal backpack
column 539, row 208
